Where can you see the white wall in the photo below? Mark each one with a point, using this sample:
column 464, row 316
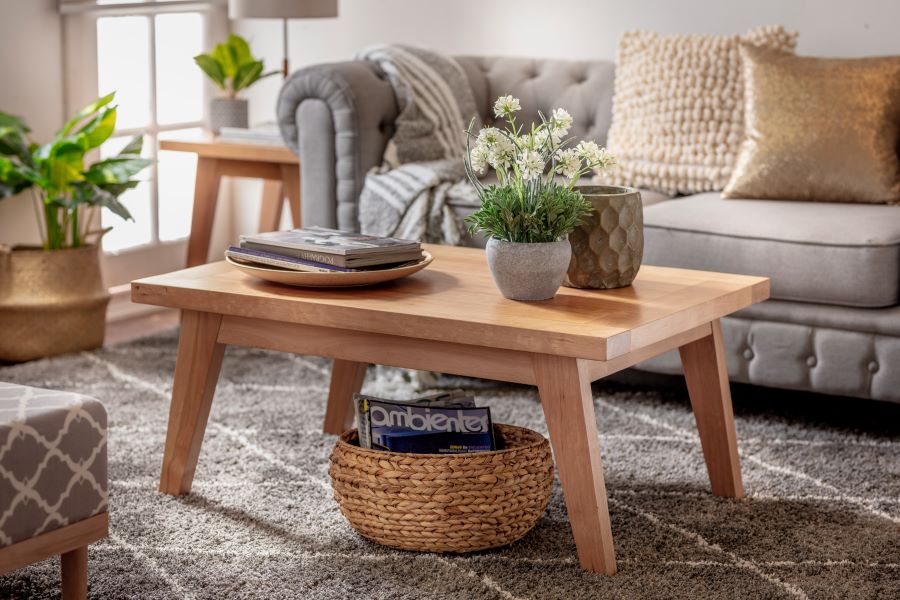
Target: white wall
column 31, row 86
column 560, row 28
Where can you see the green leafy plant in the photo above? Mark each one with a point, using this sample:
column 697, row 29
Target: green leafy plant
column 67, row 191
column 529, row 204
column 231, row 66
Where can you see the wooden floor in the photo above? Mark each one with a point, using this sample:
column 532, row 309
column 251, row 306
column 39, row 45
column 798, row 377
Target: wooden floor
column 133, row 328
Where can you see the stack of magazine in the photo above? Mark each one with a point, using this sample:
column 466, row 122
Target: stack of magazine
column 324, row 250
column 444, row 423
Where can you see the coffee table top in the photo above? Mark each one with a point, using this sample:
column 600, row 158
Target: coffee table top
column 455, row 300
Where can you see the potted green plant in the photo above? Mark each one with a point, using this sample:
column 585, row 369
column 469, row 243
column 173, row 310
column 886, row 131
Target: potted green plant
column 529, row 212
column 52, row 298
column 232, row 68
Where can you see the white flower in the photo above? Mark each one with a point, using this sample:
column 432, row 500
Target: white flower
column 489, row 136
column 537, row 139
column 562, row 121
column 505, row 106
column 478, row 158
column 593, row 154
column 501, row 154
column 531, row 164
column 568, row 162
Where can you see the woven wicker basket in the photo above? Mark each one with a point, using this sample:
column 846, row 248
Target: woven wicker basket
column 440, row 502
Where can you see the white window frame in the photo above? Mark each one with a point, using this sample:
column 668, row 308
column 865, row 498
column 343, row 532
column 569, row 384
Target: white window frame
column 81, row 83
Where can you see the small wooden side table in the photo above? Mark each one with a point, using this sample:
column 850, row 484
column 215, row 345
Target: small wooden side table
column 276, row 165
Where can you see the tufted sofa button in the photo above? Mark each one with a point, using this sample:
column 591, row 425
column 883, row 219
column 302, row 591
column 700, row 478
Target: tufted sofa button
column 873, row 367
column 811, row 362
column 748, row 354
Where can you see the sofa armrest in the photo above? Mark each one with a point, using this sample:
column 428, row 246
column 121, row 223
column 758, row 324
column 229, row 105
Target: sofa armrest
column 338, row 118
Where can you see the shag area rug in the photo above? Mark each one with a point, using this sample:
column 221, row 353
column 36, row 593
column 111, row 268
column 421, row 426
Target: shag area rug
column 822, row 517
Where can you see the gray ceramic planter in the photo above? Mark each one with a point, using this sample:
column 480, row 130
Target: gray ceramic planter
column 228, row 112
column 528, row 271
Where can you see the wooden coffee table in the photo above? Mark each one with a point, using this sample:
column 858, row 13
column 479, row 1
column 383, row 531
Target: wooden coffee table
column 450, row 318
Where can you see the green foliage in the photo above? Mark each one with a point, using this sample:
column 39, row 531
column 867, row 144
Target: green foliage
column 529, row 214
column 56, row 171
column 231, row 66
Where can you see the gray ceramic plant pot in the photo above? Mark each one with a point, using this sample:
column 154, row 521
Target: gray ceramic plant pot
column 227, row 112
column 528, row 271
column 608, row 246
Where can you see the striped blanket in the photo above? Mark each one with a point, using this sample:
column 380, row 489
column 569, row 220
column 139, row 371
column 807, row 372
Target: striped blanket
column 410, row 195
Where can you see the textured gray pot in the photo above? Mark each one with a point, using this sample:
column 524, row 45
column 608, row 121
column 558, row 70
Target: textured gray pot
column 608, row 246
column 528, row 271
column 228, row 112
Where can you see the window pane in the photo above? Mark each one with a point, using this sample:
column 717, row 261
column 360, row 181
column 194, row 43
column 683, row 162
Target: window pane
column 127, row 234
column 179, row 82
column 123, row 66
column 176, row 188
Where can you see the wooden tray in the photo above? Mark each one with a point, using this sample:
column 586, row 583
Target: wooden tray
column 336, row 279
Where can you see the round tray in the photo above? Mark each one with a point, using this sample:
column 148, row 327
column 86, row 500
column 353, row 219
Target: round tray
column 336, row 279
column 444, row 502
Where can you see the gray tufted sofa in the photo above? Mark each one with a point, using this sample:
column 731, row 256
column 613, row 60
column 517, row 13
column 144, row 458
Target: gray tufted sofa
column 833, row 323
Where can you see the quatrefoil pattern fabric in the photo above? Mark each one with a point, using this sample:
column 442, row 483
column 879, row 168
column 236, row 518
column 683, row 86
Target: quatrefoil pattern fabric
column 52, row 460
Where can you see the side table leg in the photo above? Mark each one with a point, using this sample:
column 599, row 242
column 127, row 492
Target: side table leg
column 290, row 175
column 272, row 205
column 565, row 390
column 707, row 382
column 196, row 375
column 206, row 194
column 346, row 379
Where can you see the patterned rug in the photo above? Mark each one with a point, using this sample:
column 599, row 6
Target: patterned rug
column 822, row 519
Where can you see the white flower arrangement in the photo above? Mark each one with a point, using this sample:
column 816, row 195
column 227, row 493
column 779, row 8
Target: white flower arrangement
column 529, row 204
column 519, row 156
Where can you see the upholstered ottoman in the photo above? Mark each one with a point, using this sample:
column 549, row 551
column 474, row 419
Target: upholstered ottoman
column 53, row 485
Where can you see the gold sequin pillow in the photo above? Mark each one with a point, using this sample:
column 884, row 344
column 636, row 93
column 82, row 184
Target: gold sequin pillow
column 678, row 116
column 823, row 129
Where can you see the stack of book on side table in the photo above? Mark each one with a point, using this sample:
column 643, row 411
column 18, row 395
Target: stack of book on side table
column 316, row 249
column 444, row 423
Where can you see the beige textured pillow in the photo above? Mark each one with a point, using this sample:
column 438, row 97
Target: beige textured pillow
column 678, row 113
column 822, row 129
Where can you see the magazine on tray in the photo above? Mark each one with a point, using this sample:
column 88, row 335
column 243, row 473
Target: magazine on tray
column 332, row 241
column 455, row 426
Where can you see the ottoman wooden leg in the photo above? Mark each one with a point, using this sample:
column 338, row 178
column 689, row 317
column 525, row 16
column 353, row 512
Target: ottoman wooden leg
column 196, row 375
column 346, row 379
column 74, row 573
column 565, row 390
column 707, row 381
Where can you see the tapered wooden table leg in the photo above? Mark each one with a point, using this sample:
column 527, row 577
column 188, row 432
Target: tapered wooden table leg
column 196, row 375
column 74, row 567
column 272, row 205
column 206, row 194
column 707, row 380
column 290, row 175
column 346, row 379
column 565, row 390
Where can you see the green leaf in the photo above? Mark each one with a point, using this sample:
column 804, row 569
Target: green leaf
column 247, row 75
column 116, row 169
column 241, row 49
column 97, row 196
column 12, row 180
column 64, row 164
column 134, row 147
column 212, row 68
column 13, row 138
column 86, row 112
column 98, row 130
column 225, row 56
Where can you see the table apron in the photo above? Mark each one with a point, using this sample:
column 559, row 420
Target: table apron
column 416, row 353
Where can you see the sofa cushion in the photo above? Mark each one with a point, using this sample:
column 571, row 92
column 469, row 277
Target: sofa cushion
column 828, row 253
column 52, row 460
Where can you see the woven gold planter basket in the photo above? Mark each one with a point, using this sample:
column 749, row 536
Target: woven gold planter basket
column 444, row 502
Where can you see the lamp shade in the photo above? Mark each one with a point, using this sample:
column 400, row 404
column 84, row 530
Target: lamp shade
column 282, row 9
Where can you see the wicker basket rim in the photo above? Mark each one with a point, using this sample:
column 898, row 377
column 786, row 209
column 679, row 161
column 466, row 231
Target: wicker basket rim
column 537, row 440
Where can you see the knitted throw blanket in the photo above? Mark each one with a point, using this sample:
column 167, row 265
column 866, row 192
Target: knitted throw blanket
column 422, row 175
